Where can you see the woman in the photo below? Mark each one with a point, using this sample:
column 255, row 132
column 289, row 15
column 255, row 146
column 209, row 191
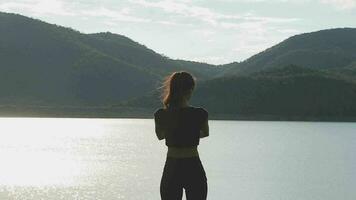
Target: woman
column 182, row 126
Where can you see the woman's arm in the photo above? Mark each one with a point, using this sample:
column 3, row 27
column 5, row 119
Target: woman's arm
column 159, row 131
column 204, row 131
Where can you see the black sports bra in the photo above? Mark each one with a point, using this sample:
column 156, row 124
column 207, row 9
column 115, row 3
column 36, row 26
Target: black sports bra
column 181, row 126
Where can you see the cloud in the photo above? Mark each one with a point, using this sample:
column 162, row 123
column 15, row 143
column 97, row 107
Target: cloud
column 181, row 8
column 114, row 15
column 341, row 4
column 210, row 59
column 38, row 7
column 206, row 15
column 211, row 35
column 177, row 12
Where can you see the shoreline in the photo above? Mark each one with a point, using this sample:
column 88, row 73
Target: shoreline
column 9, row 111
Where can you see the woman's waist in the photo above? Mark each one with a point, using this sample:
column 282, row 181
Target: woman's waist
column 182, row 152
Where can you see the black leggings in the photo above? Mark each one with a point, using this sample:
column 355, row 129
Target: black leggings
column 187, row 173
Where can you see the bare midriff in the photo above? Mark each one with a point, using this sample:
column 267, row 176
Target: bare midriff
column 182, row 152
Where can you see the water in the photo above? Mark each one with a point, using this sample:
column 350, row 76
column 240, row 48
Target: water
column 48, row 158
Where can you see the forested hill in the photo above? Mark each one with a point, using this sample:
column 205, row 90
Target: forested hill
column 286, row 93
column 49, row 70
column 291, row 92
column 325, row 49
column 46, row 64
column 310, row 76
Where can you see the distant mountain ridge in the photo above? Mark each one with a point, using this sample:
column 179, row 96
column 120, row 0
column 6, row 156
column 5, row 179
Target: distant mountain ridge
column 49, row 70
column 42, row 63
column 291, row 92
column 286, row 93
column 326, row 49
column 310, row 76
column 121, row 47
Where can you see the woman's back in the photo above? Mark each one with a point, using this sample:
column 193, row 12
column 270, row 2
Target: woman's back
column 181, row 126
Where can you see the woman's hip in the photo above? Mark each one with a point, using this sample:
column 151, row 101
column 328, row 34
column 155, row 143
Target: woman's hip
column 184, row 169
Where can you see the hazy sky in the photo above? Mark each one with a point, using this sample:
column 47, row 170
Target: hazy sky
column 213, row 31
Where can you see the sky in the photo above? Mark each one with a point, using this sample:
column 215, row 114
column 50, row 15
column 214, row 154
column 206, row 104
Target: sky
column 212, row 31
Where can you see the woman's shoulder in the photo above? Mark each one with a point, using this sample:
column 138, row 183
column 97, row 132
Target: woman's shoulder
column 201, row 110
column 158, row 112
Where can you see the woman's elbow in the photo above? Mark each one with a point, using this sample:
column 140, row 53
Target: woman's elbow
column 204, row 134
column 160, row 134
column 160, row 137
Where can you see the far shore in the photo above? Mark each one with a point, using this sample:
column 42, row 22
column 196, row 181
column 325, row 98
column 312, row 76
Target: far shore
column 144, row 113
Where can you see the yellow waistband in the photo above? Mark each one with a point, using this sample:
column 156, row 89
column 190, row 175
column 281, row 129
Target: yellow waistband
column 182, row 152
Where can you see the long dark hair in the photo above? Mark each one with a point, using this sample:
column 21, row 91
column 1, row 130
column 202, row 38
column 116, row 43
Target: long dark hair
column 175, row 87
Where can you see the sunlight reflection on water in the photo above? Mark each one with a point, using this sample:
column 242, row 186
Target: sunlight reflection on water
column 58, row 158
column 61, row 159
column 37, row 151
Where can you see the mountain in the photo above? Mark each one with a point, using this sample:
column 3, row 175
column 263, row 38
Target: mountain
column 288, row 93
column 49, row 70
column 347, row 73
column 310, row 76
column 325, row 49
column 46, row 64
column 123, row 48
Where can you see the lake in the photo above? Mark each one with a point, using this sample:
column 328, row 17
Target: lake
column 63, row 158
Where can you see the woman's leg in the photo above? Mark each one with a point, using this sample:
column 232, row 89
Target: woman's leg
column 197, row 191
column 171, row 187
column 195, row 185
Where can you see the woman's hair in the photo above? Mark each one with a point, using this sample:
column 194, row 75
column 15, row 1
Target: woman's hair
column 175, row 87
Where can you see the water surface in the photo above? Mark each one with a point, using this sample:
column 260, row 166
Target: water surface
column 59, row 158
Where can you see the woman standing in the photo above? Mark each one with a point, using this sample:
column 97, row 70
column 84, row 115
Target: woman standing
column 182, row 126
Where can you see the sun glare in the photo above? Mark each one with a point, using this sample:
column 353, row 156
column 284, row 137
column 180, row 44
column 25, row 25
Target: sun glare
column 34, row 151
